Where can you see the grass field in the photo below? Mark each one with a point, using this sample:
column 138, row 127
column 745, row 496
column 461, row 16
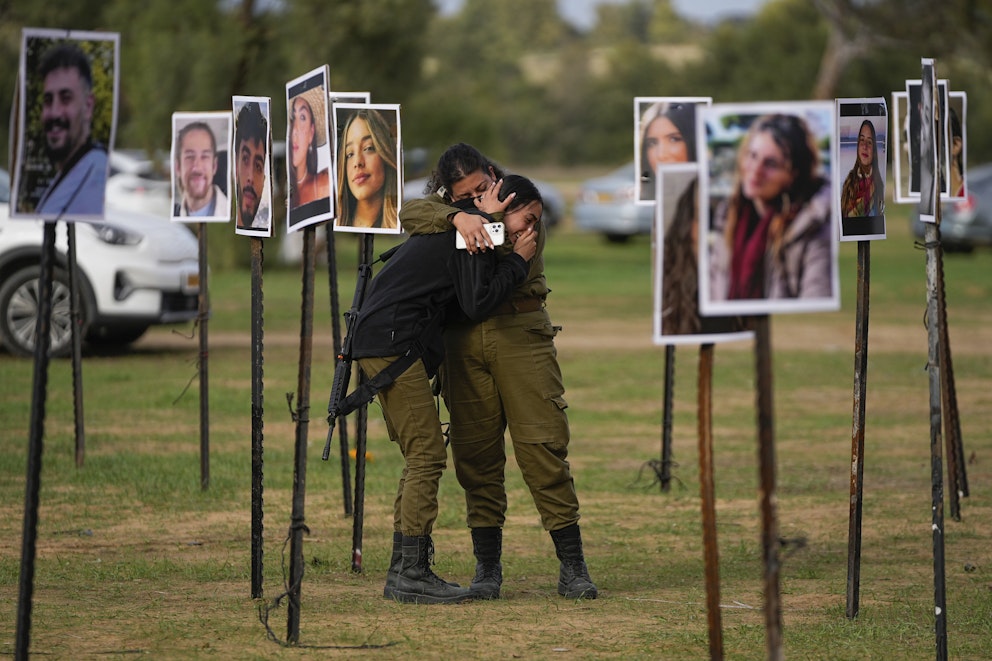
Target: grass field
column 135, row 559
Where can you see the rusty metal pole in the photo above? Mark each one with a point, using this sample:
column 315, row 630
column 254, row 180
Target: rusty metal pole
column 76, row 324
column 361, row 438
column 204, row 319
column 257, row 418
column 711, row 555
column 858, row 429
column 298, row 525
column 39, row 390
column 666, row 420
column 332, row 279
column 770, row 542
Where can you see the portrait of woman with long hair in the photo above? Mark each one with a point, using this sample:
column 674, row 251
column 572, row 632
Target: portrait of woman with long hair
column 368, row 173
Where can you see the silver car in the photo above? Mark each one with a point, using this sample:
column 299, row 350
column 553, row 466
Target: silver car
column 964, row 224
column 608, row 205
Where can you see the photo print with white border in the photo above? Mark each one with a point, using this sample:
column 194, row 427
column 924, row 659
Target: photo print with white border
column 676, row 281
column 369, row 167
column 201, row 167
column 310, row 198
column 767, row 212
column 664, row 132
column 65, row 118
column 251, row 154
column 861, row 148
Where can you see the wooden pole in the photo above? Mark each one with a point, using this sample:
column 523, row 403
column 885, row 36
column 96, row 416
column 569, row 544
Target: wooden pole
column 711, row 555
column 858, row 429
column 770, row 542
column 936, row 467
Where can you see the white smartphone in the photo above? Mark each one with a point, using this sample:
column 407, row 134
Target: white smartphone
column 495, row 233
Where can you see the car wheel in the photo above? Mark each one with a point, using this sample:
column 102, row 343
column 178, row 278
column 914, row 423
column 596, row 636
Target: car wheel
column 618, row 238
column 19, row 298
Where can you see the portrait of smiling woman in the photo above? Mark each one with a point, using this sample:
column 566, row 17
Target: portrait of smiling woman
column 367, row 168
column 308, row 160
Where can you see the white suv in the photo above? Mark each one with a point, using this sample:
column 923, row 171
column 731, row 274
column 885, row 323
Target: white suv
column 136, row 270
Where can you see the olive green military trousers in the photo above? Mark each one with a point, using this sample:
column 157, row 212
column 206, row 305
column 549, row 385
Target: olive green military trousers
column 503, row 374
column 412, row 421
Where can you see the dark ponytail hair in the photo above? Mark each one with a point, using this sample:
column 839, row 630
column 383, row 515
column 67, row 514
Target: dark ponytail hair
column 456, row 163
column 525, row 189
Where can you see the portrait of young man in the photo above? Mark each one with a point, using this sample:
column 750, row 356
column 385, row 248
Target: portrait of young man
column 67, row 97
column 252, row 180
column 201, row 169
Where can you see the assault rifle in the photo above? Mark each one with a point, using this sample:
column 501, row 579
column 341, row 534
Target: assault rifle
column 342, row 368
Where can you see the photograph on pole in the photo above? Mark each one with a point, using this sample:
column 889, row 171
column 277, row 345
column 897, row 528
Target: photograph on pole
column 664, row 132
column 67, row 112
column 957, row 134
column 862, row 145
column 369, row 168
column 201, row 167
column 924, row 156
column 252, row 166
column 768, row 242
column 676, row 297
column 901, row 149
column 308, row 166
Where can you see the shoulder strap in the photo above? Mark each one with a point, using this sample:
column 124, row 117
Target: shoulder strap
column 366, row 392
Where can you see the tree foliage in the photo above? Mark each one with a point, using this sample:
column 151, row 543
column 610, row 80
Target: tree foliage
column 512, row 76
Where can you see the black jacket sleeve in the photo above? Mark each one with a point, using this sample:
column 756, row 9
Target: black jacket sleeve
column 483, row 281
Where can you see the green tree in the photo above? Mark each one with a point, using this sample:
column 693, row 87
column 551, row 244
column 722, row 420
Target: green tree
column 773, row 57
column 376, row 46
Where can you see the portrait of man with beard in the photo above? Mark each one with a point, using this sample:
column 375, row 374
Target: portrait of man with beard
column 251, row 166
column 200, row 167
column 68, row 97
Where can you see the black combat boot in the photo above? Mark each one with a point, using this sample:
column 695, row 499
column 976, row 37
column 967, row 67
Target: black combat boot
column 395, row 562
column 487, row 544
column 416, row 583
column 573, row 580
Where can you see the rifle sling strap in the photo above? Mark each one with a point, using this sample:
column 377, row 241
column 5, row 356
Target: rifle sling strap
column 366, row 392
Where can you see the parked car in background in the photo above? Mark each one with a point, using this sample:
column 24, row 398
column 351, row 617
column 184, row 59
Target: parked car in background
column 608, row 205
column 554, row 202
column 966, row 224
column 138, row 183
column 136, row 270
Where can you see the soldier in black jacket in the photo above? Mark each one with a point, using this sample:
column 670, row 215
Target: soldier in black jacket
column 403, row 312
